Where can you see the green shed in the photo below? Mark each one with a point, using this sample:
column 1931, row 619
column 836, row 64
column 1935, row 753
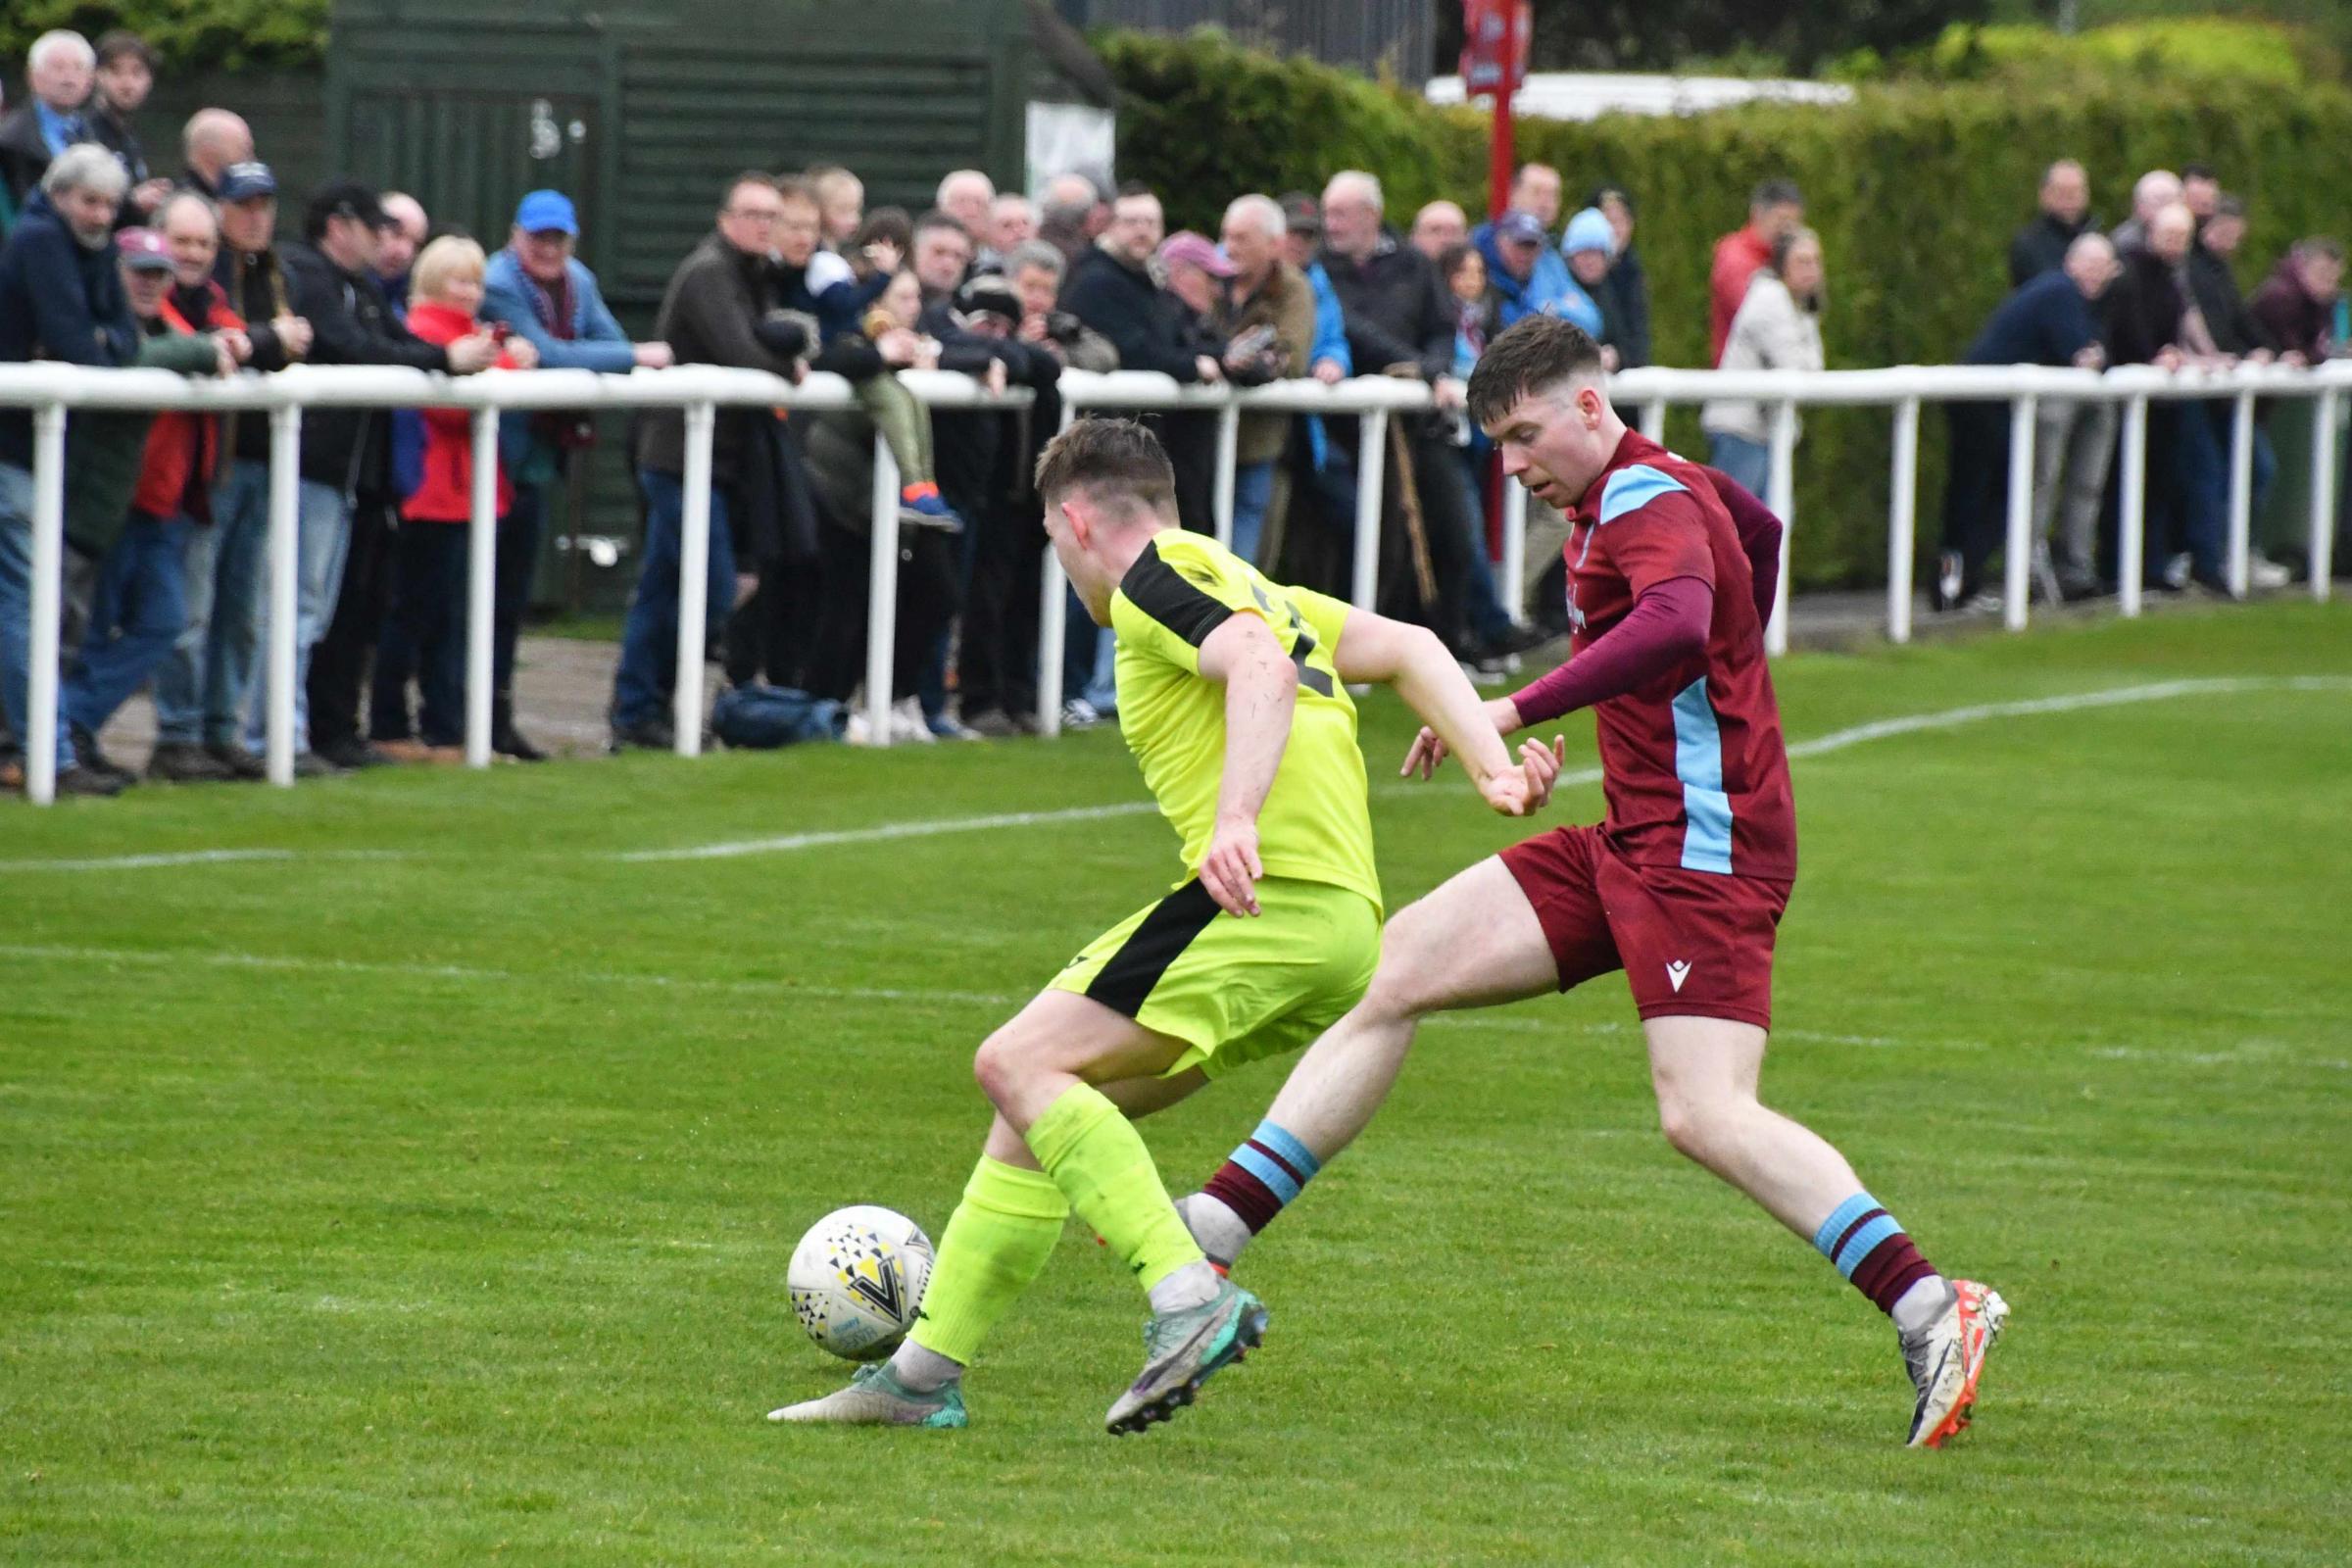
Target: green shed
column 640, row 109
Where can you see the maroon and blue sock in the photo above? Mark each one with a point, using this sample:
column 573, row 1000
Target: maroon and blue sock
column 1870, row 1251
column 1262, row 1176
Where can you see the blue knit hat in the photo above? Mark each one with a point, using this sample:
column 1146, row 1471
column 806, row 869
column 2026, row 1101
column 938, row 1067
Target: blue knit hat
column 1589, row 230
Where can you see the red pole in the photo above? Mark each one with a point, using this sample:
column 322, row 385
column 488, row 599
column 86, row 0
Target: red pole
column 1499, row 144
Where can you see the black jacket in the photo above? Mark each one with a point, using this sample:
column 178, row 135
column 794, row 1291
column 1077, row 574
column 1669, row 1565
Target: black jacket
column 2041, row 246
column 714, row 300
column 2235, row 327
column 1149, row 325
column 350, row 324
column 23, row 154
column 59, row 300
column 1631, row 286
column 112, row 131
column 1396, row 308
column 2144, row 309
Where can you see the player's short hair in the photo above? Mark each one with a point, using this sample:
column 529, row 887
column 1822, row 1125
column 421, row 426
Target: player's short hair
column 1109, row 459
column 1531, row 355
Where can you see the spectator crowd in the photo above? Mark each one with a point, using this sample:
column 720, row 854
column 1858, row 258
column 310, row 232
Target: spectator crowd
column 107, row 262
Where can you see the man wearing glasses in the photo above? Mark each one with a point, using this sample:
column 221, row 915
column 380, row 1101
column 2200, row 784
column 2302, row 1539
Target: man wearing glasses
column 714, row 300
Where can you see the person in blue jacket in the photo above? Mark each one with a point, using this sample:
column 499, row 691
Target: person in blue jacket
column 538, row 289
column 1528, row 274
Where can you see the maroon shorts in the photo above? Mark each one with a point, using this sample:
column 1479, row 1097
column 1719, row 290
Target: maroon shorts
column 1690, row 942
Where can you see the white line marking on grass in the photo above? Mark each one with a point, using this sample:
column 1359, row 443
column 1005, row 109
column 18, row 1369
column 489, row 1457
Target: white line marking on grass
column 787, row 842
column 165, row 958
column 886, row 832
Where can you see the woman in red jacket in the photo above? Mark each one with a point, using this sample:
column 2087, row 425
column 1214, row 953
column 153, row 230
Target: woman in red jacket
column 425, row 624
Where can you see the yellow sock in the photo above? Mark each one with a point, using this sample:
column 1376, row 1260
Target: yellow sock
column 1098, row 1159
column 995, row 1246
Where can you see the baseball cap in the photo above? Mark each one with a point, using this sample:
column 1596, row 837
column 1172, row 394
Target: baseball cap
column 345, row 197
column 1589, row 230
column 242, row 182
column 1525, row 229
column 542, row 211
column 1187, row 246
column 1302, row 214
column 143, row 250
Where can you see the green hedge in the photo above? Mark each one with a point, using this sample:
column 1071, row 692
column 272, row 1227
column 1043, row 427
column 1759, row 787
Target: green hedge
column 189, row 34
column 1915, row 191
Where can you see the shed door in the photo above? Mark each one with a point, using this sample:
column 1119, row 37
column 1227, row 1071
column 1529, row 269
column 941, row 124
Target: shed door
column 470, row 156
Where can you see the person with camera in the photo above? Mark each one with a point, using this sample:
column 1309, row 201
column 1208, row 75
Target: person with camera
column 1269, row 321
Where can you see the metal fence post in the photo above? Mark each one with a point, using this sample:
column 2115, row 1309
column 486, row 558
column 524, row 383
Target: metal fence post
column 1514, row 587
column 481, row 580
column 285, row 548
column 882, row 595
column 2132, row 535
column 1228, row 436
column 1783, row 485
column 694, row 581
column 48, row 601
column 1053, row 624
column 2016, row 554
column 1371, row 472
column 1902, row 520
column 2323, row 493
column 2241, row 492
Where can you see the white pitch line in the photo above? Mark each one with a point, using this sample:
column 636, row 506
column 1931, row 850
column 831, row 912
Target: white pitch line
column 885, row 832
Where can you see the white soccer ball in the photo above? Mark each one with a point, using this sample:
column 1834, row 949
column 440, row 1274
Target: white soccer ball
column 857, row 1278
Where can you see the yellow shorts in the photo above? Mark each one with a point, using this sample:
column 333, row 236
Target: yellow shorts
column 1235, row 989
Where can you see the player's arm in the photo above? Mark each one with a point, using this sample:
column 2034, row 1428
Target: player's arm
column 1667, row 626
column 1262, row 693
column 1375, row 650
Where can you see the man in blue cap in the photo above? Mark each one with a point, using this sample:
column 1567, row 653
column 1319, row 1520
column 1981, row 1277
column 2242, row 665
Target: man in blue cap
column 1529, row 276
column 538, row 289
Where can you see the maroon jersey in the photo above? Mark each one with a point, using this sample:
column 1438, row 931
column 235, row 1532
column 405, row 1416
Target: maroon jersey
column 1692, row 763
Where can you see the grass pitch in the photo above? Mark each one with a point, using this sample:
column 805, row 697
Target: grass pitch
column 421, row 1192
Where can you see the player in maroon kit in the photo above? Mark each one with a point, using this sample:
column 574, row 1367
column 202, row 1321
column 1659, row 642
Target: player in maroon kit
column 1672, row 573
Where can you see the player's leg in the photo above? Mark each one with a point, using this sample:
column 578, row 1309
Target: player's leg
column 1706, row 1071
column 994, row 1247
column 1475, row 941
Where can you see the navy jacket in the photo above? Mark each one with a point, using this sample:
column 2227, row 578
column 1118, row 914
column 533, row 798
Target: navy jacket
column 59, row 300
column 2048, row 321
column 1149, row 325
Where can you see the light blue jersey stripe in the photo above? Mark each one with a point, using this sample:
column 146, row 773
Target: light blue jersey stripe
column 1843, row 1215
column 1699, row 763
column 1630, row 489
column 1851, row 1255
column 1289, row 1150
column 1278, row 1181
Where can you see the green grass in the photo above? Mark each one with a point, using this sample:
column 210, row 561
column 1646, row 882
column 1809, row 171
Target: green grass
column 432, row 1207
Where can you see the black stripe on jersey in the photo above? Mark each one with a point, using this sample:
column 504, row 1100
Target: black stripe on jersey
column 1122, row 984
column 1302, row 643
column 1162, row 592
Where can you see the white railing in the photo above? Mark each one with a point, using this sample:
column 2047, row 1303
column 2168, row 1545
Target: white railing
column 51, row 390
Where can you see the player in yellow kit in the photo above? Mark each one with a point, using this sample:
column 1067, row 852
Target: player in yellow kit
column 1232, row 694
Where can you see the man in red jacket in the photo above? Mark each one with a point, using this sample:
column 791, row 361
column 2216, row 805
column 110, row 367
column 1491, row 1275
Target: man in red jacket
column 1776, row 208
column 140, row 607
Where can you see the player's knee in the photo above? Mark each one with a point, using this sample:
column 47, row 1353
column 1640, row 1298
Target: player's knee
column 998, row 1064
column 1694, row 1127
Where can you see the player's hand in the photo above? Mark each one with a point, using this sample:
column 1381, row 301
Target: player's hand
column 1507, row 791
column 1422, row 757
column 1539, row 766
column 1231, row 868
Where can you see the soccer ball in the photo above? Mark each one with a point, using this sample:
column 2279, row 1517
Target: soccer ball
column 857, row 1278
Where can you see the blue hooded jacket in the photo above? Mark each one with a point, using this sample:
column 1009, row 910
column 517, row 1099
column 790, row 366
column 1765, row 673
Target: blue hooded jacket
column 1549, row 290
